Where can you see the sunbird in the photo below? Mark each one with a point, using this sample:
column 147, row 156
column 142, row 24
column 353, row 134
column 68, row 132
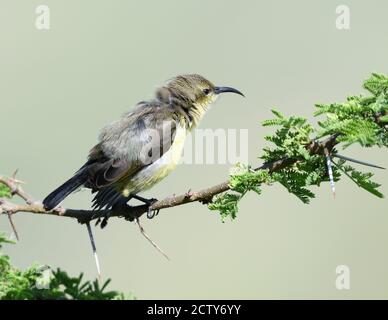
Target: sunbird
column 143, row 146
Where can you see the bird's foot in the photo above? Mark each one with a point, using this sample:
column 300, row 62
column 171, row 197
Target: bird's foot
column 152, row 213
column 102, row 221
column 118, row 207
column 149, row 202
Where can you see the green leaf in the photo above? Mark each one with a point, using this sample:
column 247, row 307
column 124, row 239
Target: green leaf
column 384, row 119
column 22, row 285
column 377, row 84
column 363, row 180
column 226, row 204
column 5, row 192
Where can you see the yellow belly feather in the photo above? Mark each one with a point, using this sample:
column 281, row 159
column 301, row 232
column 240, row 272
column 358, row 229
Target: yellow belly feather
column 159, row 169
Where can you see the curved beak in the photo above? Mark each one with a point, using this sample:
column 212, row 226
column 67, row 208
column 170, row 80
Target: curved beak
column 219, row 90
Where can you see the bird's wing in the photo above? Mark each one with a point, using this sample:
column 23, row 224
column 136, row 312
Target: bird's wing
column 130, row 144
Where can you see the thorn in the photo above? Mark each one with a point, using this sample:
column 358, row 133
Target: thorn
column 94, row 250
column 13, row 226
column 330, row 172
column 17, row 181
column 357, row 161
column 142, row 231
column 189, row 194
column 14, row 174
column 13, row 178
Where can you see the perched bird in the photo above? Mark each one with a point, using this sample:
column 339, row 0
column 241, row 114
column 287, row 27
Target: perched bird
column 144, row 146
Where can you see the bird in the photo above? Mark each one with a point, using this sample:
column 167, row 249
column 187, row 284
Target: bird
column 141, row 148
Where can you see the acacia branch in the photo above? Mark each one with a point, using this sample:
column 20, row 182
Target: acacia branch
column 132, row 213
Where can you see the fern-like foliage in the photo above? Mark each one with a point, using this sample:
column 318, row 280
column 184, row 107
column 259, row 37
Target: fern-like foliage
column 299, row 177
column 363, row 180
column 290, row 139
column 377, row 84
column 27, row 285
column 226, row 204
column 4, row 191
column 242, row 179
column 361, row 119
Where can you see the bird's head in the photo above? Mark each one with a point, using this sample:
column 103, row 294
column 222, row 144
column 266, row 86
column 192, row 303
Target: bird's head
column 193, row 93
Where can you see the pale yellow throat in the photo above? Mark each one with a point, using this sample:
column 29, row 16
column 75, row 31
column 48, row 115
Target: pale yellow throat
column 199, row 110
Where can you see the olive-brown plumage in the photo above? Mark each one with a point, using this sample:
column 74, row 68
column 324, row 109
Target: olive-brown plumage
column 144, row 145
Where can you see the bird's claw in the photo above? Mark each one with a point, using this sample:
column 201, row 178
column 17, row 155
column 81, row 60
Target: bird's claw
column 152, row 213
column 103, row 221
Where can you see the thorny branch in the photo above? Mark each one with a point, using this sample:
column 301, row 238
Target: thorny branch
column 132, row 213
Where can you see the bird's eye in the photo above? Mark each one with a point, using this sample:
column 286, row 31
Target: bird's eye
column 206, row 91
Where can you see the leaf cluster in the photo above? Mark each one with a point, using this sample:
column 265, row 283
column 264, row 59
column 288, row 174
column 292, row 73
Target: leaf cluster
column 5, row 192
column 27, row 285
column 360, row 120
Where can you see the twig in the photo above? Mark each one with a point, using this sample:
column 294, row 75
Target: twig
column 14, row 185
column 13, row 226
column 142, row 231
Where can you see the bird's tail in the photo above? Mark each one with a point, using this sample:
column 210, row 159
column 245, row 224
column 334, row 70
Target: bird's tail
column 55, row 197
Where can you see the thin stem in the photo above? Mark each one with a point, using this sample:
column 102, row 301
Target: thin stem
column 142, row 231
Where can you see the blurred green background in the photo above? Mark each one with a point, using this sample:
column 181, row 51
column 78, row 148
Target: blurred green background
column 59, row 87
